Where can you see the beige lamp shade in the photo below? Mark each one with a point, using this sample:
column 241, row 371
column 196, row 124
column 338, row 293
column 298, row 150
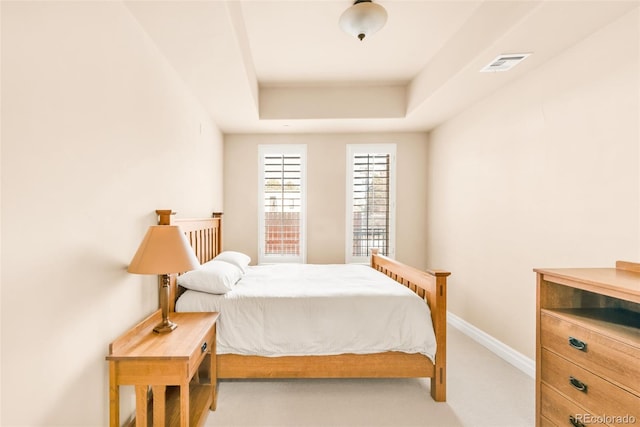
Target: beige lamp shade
column 164, row 250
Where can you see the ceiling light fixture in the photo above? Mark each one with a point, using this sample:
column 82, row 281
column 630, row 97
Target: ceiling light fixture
column 363, row 19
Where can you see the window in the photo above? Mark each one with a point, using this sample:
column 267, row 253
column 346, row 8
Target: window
column 282, row 203
column 370, row 200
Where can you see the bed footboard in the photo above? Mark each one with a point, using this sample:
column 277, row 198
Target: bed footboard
column 431, row 286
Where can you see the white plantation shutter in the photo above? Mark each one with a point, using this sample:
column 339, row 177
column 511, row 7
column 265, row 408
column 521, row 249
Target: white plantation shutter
column 282, row 204
column 371, row 201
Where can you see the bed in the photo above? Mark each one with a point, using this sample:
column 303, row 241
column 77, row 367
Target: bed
column 205, row 237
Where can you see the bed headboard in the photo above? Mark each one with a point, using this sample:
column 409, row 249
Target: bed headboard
column 204, row 235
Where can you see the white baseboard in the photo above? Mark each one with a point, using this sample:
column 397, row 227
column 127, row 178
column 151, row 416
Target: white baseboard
column 519, row 360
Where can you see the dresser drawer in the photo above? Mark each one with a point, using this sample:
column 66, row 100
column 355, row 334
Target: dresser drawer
column 561, row 411
column 593, row 393
column 600, row 354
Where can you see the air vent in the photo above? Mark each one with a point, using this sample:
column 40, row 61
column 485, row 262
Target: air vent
column 504, row 62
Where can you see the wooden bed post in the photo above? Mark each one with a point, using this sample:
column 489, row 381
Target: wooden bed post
column 374, row 252
column 218, row 216
column 439, row 318
column 164, row 216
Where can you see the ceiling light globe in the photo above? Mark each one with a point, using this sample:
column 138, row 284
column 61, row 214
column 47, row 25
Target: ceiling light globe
column 363, row 19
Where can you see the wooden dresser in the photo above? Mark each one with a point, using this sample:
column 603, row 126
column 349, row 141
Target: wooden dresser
column 588, row 346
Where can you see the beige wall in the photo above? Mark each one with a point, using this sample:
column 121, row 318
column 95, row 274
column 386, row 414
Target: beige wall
column 97, row 132
column 326, row 182
column 544, row 173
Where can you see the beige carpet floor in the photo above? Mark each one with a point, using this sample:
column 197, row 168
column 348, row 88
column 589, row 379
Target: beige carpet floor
column 483, row 390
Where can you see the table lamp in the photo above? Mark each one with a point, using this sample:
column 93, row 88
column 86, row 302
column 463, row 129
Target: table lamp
column 164, row 251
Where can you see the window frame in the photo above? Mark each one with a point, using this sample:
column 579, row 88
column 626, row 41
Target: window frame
column 352, row 150
column 301, row 150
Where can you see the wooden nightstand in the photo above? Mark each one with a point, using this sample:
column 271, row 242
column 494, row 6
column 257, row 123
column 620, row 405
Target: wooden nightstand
column 168, row 364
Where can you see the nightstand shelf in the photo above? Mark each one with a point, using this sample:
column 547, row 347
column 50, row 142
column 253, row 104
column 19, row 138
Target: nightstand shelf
column 168, row 365
column 199, row 396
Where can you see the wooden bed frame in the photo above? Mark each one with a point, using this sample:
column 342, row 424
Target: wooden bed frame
column 205, row 236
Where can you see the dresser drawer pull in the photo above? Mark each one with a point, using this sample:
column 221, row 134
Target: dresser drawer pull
column 577, row 384
column 203, row 348
column 574, row 422
column 577, row 344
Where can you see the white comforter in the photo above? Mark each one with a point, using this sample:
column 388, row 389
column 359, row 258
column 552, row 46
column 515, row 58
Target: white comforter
column 307, row 309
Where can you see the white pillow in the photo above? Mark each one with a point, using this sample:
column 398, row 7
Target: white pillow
column 214, row 277
column 238, row 259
